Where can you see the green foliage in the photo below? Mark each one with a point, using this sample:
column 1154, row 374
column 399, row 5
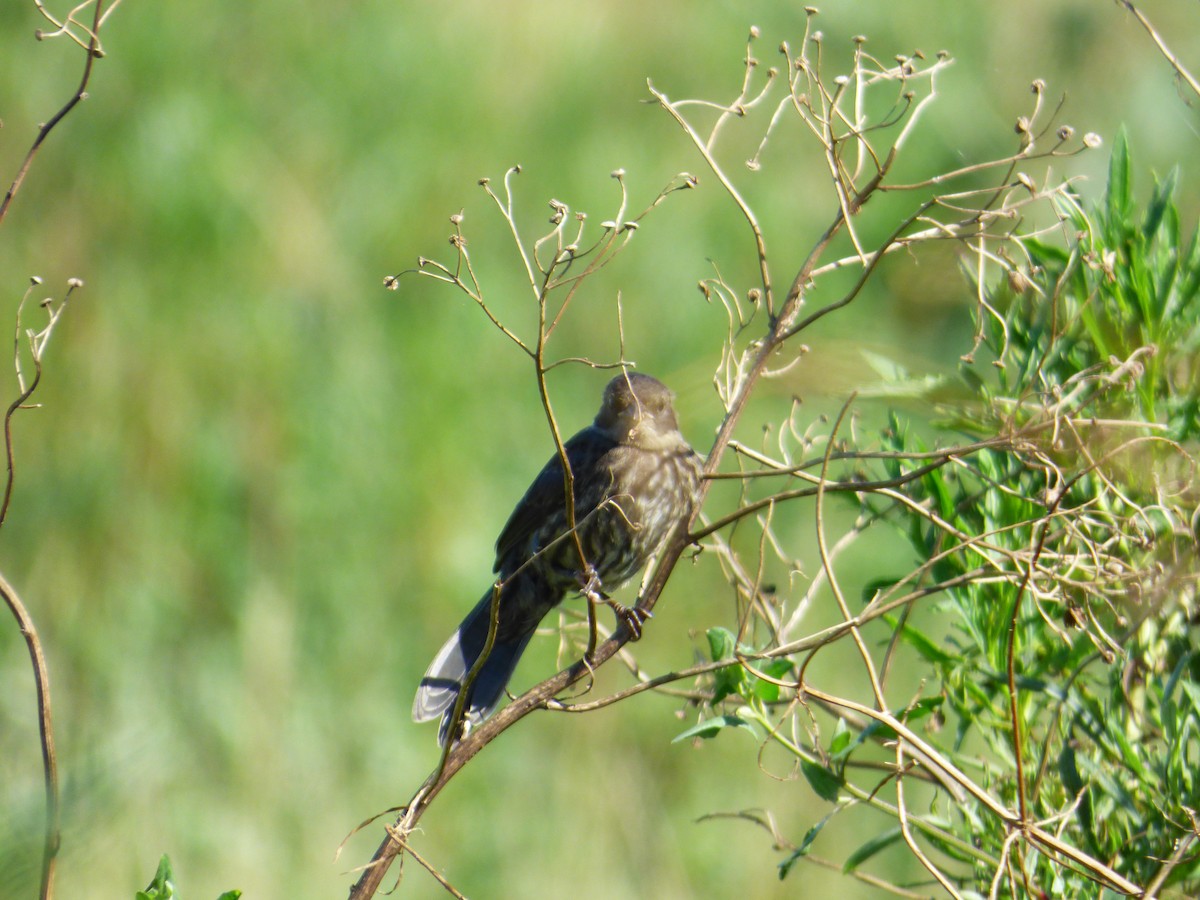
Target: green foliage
column 1105, row 658
column 1064, row 547
column 1105, row 649
column 1126, row 289
column 736, row 679
column 163, row 885
column 757, row 688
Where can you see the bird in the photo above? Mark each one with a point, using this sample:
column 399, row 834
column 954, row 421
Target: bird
column 635, row 481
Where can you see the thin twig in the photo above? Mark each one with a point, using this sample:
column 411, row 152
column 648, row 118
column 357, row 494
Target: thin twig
column 1170, row 57
column 41, row 678
column 44, row 131
column 426, row 865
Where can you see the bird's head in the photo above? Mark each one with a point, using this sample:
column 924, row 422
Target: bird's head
column 637, row 411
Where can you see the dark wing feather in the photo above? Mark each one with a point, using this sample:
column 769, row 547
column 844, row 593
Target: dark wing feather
column 545, row 496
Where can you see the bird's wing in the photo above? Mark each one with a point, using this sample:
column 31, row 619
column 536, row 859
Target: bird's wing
column 545, row 496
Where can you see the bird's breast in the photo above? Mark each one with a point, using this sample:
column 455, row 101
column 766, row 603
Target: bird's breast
column 652, row 491
column 625, row 508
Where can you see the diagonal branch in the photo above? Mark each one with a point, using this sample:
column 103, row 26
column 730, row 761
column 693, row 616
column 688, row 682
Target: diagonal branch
column 93, row 53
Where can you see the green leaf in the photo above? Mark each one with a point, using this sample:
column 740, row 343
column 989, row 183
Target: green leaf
column 768, row 691
column 1042, row 253
column 802, row 850
column 721, row 643
column 971, row 378
column 710, row 728
column 230, row 895
column 842, row 736
column 1190, row 266
column 924, row 707
column 730, row 679
column 161, row 887
column 1129, row 753
column 870, row 848
column 1110, row 789
column 922, row 644
column 821, row 780
column 1193, row 692
column 1073, row 782
column 945, row 496
column 1120, row 193
column 1160, row 200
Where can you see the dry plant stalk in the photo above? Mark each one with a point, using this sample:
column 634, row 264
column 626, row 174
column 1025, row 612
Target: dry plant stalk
column 34, row 343
column 75, row 27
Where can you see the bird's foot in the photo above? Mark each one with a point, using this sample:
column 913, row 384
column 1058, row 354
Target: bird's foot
column 634, row 617
column 590, row 586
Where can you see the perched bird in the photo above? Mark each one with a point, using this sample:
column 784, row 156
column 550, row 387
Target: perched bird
column 635, row 480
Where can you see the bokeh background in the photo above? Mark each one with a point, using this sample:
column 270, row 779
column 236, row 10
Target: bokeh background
column 261, row 489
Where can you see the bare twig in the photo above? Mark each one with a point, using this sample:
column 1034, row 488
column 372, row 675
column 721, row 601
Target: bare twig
column 1161, row 44
column 37, row 341
column 37, row 344
column 93, row 53
column 41, row 678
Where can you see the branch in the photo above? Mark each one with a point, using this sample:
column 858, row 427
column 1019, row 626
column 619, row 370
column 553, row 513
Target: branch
column 93, row 53
column 37, row 343
column 932, row 757
column 41, row 678
column 1179, row 68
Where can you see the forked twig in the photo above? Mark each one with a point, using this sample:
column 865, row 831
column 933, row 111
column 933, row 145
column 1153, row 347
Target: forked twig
column 93, row 53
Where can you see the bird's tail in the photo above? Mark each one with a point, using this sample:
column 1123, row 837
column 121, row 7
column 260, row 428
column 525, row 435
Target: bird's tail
column 444, row 679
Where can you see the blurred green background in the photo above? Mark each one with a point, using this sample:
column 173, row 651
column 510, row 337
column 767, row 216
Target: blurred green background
column 262, row 489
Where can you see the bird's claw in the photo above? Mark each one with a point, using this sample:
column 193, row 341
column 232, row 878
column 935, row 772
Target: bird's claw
column 589, row 585
column 634, row 617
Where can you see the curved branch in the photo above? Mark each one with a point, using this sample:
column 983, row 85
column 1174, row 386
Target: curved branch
column 41, row 678
column 93, row 53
